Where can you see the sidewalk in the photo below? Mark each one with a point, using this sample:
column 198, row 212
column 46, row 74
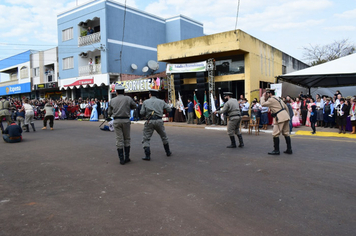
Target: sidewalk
column 302, row 130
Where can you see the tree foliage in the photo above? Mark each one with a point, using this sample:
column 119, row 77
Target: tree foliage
column 319, row 54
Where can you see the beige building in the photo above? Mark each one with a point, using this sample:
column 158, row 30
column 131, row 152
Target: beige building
column 243, row 63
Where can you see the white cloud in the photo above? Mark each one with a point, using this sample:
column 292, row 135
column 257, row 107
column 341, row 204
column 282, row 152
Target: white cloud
column 341, row 28
column 347, row 14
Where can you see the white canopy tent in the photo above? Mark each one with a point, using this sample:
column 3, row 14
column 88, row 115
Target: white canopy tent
column 337, row 73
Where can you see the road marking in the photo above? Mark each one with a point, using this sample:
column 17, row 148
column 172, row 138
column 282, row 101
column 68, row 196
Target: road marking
column 323, row 138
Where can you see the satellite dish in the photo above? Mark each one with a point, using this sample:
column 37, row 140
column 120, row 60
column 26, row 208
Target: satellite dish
column 153, row 65
column 133, row 66
column 145, row 69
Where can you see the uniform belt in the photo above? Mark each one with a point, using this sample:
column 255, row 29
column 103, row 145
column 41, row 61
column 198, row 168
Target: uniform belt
column 121, row 117
column 156, row 118
column 235, row 115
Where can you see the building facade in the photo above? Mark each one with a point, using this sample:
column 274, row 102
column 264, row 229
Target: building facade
column 102, row 42
column 15, row 75
column 243, row 63
column 44, row 69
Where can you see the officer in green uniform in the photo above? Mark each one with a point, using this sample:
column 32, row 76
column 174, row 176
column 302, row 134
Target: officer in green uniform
column 152, row 109
column 232, row 108
column 4, row 112
column 120, row 108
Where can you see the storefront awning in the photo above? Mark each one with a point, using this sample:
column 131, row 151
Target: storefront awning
column 84, row 82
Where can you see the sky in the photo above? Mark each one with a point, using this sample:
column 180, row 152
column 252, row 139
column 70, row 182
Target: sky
column 287, row 25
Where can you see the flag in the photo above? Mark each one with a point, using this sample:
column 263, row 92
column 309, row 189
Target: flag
column 212, row 102
column 205, row 109
column 221, row 105
column 181, row 106
column 196, row 107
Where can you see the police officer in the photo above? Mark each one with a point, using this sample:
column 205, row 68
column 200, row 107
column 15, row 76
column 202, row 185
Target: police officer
column 152, row 109
column 120, row 108
column 232, row 108
column 4, row 112
column 280, row 114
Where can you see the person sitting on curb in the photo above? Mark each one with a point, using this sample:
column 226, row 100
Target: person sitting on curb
column 12, row 133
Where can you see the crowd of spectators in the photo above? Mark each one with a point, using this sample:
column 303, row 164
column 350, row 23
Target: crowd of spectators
column 322, row 111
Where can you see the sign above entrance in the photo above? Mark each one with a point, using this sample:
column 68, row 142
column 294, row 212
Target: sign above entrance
column 141, row 85
column 186, row 68
column 46, row 86
column 80, row 82
column 15, row 89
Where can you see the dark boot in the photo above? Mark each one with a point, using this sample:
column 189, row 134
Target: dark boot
column 326, row 125
column 166, row 148
column 241, row 141
column 33, row 127
column 344, row 130
column 127, row 154
column 27, row 128
column 339, row 129
column 120, row 152
column 233, row 142
column 147, row 153
column 276, row 146
column 289, row 145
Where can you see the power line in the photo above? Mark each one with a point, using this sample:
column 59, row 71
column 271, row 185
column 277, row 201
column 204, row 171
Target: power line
column 123, row 35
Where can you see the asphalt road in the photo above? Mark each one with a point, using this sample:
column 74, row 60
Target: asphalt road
column 69, row 182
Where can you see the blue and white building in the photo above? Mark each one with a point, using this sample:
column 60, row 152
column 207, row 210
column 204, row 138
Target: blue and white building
column 15, row 75
column 122, row 43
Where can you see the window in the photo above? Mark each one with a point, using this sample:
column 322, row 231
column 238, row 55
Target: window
column 23, row 72
column 36, row 72
column 67, row 34
column 68, row 63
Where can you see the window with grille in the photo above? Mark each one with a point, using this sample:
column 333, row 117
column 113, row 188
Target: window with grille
column 68, row 63
column 67, row 34
column 36, row 72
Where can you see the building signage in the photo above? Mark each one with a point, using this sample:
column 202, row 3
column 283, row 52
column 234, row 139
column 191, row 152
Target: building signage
column 278, row 89
column 186, row 68
column 80, row 82
column 141, row 85
column 46, row 86
column 15, row 89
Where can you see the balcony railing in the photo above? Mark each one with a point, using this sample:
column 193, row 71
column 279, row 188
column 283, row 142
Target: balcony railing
column 89, row 39
column 90, row 70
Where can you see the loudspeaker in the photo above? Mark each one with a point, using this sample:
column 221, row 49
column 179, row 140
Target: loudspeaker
column 177, row 77
column 200, row 81
column 201, row 86
column 177, row 82
column 200, row 74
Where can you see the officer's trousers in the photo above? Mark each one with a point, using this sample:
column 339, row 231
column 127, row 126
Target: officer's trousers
column 148, row 129
column 122, row 129
column 279, row 128
column 233, row 126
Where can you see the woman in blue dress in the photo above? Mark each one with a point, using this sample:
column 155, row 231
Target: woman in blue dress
column 94, row 113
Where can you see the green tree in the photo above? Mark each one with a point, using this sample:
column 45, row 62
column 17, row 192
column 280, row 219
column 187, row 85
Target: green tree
column 319, row 54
